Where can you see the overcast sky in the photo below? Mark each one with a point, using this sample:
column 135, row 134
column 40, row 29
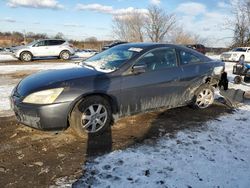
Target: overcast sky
column 78, row 19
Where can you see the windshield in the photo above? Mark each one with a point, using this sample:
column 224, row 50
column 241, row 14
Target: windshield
column 239, row 50
column 32, row 43
column 111, row 59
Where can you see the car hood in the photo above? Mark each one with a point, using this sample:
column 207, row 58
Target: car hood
column 46, row 79
column 19, row 47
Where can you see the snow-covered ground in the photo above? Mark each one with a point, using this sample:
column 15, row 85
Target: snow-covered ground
column 84, row 54
column 214, row 155
column 7, row 57
column 10, row 69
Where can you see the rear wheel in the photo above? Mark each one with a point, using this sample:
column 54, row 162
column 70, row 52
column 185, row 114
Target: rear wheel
column 26, row 56
column 65, row 55
column 237, row 79
column 204, row 96
column 92, row 116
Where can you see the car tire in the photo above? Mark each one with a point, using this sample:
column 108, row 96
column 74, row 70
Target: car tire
column 247, row 79
column 242, row 58
column 93, row 115
column 237, row 80
column 203, row 97
column 26, row 56
column 65, row 55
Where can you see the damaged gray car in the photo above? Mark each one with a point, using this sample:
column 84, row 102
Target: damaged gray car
column 124, row 80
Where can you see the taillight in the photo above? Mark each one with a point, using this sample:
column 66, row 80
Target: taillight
column 71, row 45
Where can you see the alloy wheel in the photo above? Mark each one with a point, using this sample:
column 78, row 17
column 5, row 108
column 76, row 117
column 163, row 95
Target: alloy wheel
column 65, row 55
column 205, row 98
column 94, row 118
column 26, row 57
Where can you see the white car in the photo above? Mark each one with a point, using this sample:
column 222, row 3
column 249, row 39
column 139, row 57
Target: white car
column 44, row 48
column 236, row 54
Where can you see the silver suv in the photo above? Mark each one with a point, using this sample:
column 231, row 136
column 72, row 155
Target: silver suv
column 44, row 48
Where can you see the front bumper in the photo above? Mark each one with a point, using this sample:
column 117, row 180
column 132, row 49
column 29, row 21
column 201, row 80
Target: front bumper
column 43, row 117
column 230, row 59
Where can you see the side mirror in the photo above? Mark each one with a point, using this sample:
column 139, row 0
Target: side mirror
column 138, row 69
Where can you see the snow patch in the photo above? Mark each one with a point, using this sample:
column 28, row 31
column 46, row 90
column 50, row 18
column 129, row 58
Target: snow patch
column 216, row 155
column 9, row 69
column 7, row 57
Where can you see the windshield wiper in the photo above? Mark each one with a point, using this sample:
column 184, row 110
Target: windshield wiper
column 88, row 65
column 106, row 68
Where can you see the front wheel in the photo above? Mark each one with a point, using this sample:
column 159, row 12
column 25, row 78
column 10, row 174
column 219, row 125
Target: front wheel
column 65, row 55
column 237, row 79
column 26, row 56
column 204, row 96
column 92, row 116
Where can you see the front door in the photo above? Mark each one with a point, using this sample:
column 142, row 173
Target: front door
column 40, row 49
column 158, row 86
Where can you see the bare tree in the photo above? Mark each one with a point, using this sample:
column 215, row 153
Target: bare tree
column 179, row 36
column 121, row 29
column 239, row 25
column 129, row 27
column 158, row 23
column 59, row 35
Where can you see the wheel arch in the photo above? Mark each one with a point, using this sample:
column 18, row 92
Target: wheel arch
column 20, row 53
column 64, row 50
column 211, row 80
column 113, row 103
column 242, row 55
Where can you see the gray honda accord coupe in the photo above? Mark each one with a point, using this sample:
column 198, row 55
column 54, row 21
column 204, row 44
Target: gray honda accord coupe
column 124, row 80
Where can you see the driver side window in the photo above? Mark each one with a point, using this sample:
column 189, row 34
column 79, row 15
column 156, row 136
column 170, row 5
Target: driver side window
column 159, row 59
column 41, row 43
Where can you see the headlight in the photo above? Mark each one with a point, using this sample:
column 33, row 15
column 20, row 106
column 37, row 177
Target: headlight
column 43, row 97
column 235, row 55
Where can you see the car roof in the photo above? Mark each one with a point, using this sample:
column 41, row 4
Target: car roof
column 50, row 39
column 145, row 45
column 151, row 45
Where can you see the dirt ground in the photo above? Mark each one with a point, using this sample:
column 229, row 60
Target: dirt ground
column 32, row 158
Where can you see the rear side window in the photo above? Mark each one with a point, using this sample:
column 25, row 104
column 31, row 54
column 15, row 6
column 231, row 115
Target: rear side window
column 159, row 59
column 187, row 58
column 55, row 42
